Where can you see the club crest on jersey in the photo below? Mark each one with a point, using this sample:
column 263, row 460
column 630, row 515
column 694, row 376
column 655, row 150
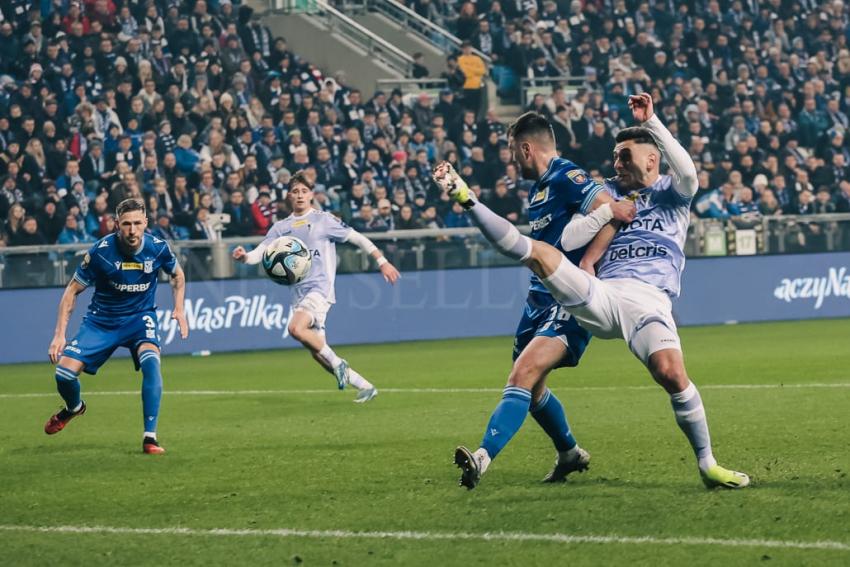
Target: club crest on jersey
column 148, row 266
column 540, row 196
column 577, row 176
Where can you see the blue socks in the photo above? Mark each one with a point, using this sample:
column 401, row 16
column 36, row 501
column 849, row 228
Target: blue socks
column 151, row 389
column 506, row 419
column 68, row 387
column 549, row 413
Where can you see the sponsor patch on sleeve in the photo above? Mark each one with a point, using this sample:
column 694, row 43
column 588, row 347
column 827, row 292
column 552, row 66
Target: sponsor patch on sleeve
column 577, row 176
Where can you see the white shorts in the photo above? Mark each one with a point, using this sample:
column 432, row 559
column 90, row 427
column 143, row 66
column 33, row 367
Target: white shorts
column 628, row 309
column 315, row 305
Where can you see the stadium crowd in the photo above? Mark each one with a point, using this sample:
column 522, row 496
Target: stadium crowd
column 197, row 108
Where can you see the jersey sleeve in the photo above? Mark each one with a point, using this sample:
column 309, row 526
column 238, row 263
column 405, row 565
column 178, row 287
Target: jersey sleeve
column 85, row 273
column 579, row 188
column 335, row 229
column 168, row 261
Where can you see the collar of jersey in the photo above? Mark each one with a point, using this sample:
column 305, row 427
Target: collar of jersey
column 545, row 177
column 304, row 216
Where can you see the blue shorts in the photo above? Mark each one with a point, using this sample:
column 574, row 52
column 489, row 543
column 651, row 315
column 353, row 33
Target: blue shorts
column 97, row 340
column 544, row 317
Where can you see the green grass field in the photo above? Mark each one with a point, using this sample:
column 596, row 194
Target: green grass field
column 287, row 451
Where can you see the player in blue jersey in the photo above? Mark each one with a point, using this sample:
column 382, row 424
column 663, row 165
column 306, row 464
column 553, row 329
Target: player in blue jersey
column 547, row 336
column 123, row 269
column 637, row 274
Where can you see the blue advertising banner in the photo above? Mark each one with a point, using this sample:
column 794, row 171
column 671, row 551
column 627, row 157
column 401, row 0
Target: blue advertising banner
column 253, row 314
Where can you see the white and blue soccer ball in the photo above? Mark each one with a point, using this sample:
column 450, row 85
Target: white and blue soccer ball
column 287, row 260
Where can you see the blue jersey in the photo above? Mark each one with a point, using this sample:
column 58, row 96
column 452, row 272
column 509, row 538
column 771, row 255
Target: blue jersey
column 651, row 247
column 124, row 284
column 564, row 190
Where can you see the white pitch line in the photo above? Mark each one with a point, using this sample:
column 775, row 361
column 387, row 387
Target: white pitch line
column 439, row 536
column 330, row 391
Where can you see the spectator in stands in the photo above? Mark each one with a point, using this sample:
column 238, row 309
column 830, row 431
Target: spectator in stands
column 241, row 221
column 505, row 204
column 28, row 235
column 52, row 220
column 475, row 70
column 202, row 229
column 368, row 222
column 263, row 213
column 73, row 232
column 14, row 223
column 419, row 69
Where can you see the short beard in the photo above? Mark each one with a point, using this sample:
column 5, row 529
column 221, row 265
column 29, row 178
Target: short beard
column 529, row 173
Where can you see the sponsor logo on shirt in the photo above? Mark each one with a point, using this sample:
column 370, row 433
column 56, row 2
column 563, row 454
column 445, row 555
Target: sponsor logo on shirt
column 131, row 266
column 835, row 284
column 541, row 223
column 540, row 196
column 130, row 288
column 646, row 223
column 631, row 252
column 299, row 223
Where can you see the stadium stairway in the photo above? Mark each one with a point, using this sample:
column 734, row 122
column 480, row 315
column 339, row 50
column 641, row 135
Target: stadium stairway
column 409, row 42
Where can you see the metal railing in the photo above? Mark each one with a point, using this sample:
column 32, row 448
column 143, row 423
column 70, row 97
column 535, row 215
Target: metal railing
column 424, row 249
column 437, row 36
column 293, row 6
column 530, row 87
column 410, row 88
column 374, row 45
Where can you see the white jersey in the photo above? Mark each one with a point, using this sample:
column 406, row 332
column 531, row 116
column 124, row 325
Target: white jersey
column 320, row 232
column 650, row 248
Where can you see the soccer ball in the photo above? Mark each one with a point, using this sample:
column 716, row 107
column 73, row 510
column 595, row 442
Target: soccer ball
column 287, row 260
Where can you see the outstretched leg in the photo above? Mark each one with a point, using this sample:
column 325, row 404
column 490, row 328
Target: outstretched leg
column 302, row 328
column 568, row 284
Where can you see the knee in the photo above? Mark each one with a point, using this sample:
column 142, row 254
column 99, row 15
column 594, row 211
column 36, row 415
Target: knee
column 297, row 330
column 525, row 375
column 670, row 374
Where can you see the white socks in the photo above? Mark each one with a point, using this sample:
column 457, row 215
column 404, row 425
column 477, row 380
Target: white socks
column 483, row 458
column 329, row 356
column 358, row 381
column 690, row 415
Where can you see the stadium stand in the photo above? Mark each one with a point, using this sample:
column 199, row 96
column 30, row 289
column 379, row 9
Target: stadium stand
column 200, row 110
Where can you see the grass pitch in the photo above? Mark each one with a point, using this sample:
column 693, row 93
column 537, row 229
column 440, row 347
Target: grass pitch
column 286, row 450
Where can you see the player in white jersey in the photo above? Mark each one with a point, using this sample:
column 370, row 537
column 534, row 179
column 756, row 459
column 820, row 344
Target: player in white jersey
column 314, row 296
column 640, row 271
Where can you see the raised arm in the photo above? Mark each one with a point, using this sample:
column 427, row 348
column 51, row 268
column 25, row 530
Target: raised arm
column 389, row 271
column 66, row 307
column 682, row 167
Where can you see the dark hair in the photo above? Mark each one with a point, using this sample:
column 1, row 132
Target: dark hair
column 300, row 178
column 637, row 134
column 128, row 205
column 531, row 124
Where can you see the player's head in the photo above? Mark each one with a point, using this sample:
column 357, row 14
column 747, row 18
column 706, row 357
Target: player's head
column 132, row 222
column 636, row 158
column 532, row 142
column 300, row 193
